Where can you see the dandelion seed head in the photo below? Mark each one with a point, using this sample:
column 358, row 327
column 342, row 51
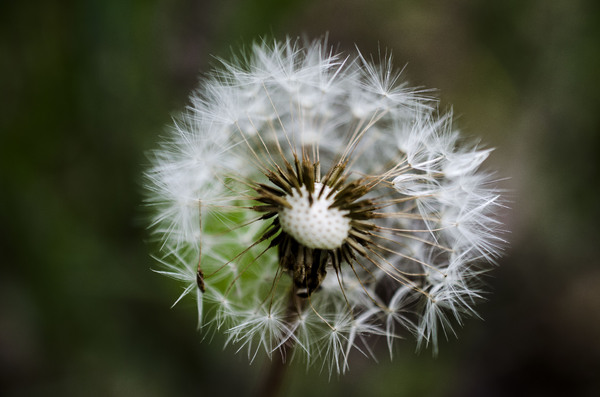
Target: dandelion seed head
column 312, row 202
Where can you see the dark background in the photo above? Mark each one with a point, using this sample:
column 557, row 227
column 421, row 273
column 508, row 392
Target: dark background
column 87, row 88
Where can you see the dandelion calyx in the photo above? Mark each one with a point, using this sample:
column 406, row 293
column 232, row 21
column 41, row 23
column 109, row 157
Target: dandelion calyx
column 319, row 222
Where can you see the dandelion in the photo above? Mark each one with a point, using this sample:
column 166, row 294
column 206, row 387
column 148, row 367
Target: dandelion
column 311, row 202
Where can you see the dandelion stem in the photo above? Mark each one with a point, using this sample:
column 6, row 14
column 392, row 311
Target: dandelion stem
column 273, row 378
column 271, row 384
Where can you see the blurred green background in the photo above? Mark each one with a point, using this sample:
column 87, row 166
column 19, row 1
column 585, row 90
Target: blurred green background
column 88, row 86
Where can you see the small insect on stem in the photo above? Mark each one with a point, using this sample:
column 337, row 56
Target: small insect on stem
column 200, row 279
column 199, row 273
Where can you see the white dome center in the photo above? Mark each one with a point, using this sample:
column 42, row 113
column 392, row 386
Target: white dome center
column 316, row 225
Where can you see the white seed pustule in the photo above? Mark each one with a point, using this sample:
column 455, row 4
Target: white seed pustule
column 315, row 225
